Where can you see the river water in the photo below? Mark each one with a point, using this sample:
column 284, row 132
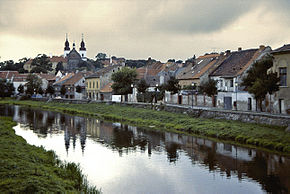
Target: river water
column 125, row 159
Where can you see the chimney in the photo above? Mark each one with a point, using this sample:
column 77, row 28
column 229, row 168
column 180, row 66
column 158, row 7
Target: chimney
column 262, row 47
column 240, row 49
column 50, row 55
column 228, row 52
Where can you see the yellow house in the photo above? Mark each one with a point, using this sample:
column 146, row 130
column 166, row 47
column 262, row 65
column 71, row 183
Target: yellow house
column 93, row 86
column 281, row 65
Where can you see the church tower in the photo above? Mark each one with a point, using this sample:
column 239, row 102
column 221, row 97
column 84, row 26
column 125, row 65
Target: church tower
column 83, row 50
column 66, row 47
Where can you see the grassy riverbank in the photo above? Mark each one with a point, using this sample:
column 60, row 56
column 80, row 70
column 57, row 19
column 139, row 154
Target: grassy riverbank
column 29, row 169
column 269, row 137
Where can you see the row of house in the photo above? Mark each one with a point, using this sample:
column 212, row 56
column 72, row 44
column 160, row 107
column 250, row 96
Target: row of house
column 227, row 68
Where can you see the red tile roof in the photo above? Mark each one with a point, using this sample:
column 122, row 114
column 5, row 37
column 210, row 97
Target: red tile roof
column 107, row 88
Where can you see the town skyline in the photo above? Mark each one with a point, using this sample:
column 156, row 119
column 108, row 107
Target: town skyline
column 138, row 30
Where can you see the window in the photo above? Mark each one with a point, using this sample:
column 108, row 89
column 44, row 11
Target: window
column 93, row 84
column 232, row 83
column 221, row 82
column 90, row 85
column 97, row 84
column 283, row 76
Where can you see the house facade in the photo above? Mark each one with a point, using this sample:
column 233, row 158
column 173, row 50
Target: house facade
column 92, row 84
column 281, row 65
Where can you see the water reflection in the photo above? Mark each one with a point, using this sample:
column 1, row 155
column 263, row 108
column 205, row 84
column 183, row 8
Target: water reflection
column 269, row 170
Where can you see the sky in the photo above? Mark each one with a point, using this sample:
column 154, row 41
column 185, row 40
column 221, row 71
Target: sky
column 138, row 29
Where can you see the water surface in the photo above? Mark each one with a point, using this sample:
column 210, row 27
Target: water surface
column 125, row 159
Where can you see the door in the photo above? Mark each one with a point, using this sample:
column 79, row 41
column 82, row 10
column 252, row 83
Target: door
column 249, row 103
column 179, row 99
column 228, row 103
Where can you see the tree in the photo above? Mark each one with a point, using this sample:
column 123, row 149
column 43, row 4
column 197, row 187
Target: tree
column 6, row 88
column 142, row 87
column 50, row 89
column 33, row 84
column 62, row 90
column 59, row 67
column 79, row 89
column 20, row 89
column 172, row 85
column 259, row 82
column 209, row 88
column 123, row 80
column 101, row 56
column 41, row 64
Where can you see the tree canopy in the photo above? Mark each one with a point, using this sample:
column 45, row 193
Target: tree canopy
column 123, row 80
column 172, row 85
column 259, row 81
column 41, row 64
column 101, row 56
column 33, row 84
column 6, row 88
column 62, row 90
column 208, row 87
column 20, row 89
column 10, row 65
column 142, row 86
column 50, row 89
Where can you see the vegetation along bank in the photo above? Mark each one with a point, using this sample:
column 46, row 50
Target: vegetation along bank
column 268, row 137
column 29, row 169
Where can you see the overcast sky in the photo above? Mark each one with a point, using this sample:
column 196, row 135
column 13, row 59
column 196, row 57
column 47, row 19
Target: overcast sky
column 137, row 29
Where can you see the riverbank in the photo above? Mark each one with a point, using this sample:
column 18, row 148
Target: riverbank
column 29, row 169
column 272, row 138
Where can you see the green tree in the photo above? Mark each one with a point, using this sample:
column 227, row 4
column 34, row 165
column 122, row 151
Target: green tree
column 172, row 85
column 33, row 84
column 259, row 81
column 79, row 89
column 209, row 88
column 6, row 88
column 62, row 90
column 123, row 80
column 41, row 64
column 59, row 67
column 101, row 56
column 142, row 87
column 20, row 89
column 50, row 89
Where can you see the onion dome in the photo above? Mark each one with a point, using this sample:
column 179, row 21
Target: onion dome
column 82, row 48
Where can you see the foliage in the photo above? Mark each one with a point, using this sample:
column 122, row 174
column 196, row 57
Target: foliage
column 59, row 67
column 266, row 136
column 26, row 168
column 189, row 87
column 62, row 90
column 142, row 86
column 259, row 82
column 172, row 85
column 101, row 56
column 33, row 84
column 6, row 88
column 11, row 66
column 123, row 80
column 79, row 89
column 41, row 64
column 208, row 87
column 20, row 89
column 50, row 89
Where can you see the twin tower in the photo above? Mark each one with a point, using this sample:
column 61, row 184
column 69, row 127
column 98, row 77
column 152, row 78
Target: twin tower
column 82, row 50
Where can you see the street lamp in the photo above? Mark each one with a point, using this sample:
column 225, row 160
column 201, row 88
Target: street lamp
column 236, row 85
column 193, row 87
column 132, row 86
column 156, row 93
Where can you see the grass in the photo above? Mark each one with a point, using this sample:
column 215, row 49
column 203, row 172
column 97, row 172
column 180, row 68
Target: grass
column 29, row 169
column 273, row 138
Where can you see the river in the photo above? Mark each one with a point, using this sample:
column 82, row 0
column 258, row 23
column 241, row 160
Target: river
column 125, row 159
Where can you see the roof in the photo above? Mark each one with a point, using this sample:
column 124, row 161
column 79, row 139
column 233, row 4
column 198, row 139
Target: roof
column 201, row 65
column 69, row 75
column 236, row 62
column 47, row 76
column 107, row 88
column 75, row 78
column 56, row 59
column 8, row 74
column 281, row 50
